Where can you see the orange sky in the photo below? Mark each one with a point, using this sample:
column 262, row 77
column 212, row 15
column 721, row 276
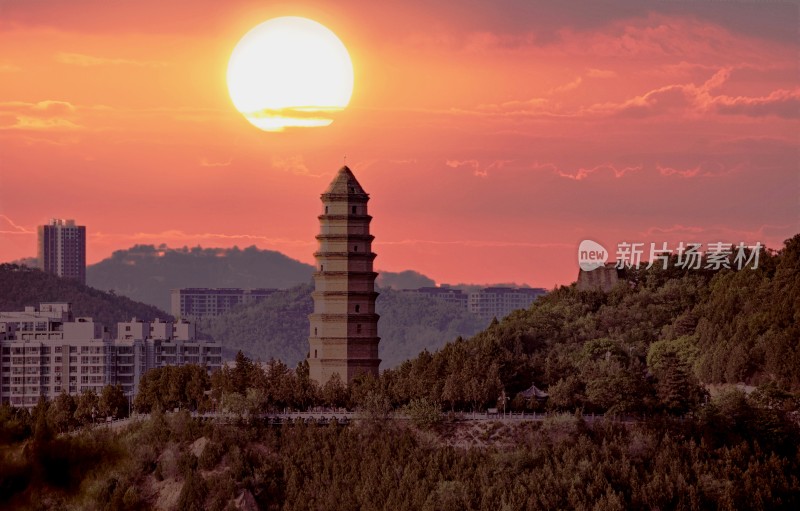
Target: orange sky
column 492, row 136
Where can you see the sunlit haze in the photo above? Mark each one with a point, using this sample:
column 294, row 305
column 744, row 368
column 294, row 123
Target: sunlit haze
column 492, row 137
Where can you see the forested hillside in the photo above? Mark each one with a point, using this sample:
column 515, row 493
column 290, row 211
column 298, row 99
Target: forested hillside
column 278, row 326
column 645, row 346
column 21, row 286
column 172, row 461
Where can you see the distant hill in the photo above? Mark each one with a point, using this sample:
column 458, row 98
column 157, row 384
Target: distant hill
column 147, row 273
column 408, row 279
column 278, row 326
column 21, row 286
column 30, row 262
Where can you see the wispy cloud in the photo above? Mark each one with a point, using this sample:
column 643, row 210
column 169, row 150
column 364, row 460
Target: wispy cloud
column 293, row 164
column 205, row 162
column 582, row 173
column 8, row 226
column 779, row 103
column 41, row 115
column 9, row 68
column 83, row 60
column 478, row 169
column 183, row 236
column 601, row 73
column 475, row 243
column 692, row 100
column 574, row 84
column 703, row 169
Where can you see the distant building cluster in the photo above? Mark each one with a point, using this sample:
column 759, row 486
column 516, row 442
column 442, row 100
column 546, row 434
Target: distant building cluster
column 487, row 303
column 199, row 302
column 62, row 249
column 46, row 351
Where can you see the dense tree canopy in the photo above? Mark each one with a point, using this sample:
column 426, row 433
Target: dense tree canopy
column 645, row 347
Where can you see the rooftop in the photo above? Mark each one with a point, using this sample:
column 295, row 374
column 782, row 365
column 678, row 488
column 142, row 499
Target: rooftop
column 345, row 183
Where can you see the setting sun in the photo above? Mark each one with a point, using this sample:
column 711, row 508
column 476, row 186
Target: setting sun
column 290, row 72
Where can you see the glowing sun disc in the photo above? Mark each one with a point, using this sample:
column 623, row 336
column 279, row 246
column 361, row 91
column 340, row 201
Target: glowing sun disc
column 290, row 72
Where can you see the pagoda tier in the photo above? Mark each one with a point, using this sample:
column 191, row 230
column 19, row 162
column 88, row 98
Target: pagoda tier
column 344, row 326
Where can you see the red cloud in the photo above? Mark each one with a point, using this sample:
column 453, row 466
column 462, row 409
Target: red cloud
column 583, row 172
column 690, row 99
column 779, row 103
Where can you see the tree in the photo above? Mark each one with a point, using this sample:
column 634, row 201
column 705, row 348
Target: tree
column 334, row 392
column 15, row 424
column 279, row 384
column 424, row 413
column 197, row 384
column 242, row 374
column 567, row 394
column 41, row 431
column 677, row 389
column 62, row 412
column 235, row 403
column 113, row 402
column 615, row 388
column 87, row 408
column 453, row 390
column 306, row 391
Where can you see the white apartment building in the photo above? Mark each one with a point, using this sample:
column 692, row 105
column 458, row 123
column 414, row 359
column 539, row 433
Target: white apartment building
column 499, row 302
column 46, row 351
column 487, row 303
column 194, row 303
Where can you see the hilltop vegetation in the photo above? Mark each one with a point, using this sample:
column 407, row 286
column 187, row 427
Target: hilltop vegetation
column 644, row 347
column 278, row 326
column 22, row 286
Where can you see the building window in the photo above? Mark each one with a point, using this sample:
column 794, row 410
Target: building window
column 358, row 308
column 321, row 267
column 354, row 210
column 355, row 248
column 315, row 353
column 315, row 331
column 326, row 210
column 358, row 328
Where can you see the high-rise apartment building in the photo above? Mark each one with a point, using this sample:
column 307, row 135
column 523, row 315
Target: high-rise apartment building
column 344, row 326
column 62, row 249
